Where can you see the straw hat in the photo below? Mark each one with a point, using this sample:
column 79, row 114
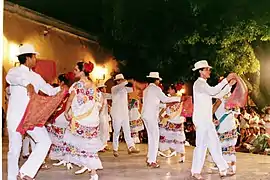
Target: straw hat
column 27, row 49
column 201, row 64
column 119, row 76
column 154, row 75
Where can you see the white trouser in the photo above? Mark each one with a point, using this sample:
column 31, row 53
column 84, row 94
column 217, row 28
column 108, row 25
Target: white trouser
column 25, row 146
column 104, row 129
column 117, row 124
column 153, row 139
column 207, row 138
column 36, row 158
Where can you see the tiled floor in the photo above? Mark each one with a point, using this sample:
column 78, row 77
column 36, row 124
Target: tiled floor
column 132, row 167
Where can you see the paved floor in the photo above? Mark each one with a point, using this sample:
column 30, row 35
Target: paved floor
column 132, row 167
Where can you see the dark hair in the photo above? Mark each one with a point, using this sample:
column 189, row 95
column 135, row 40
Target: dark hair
column 172, row 86
column 22, row 58
column 62, row 78
column 80, row 66
column 197, row 72
column 152, row 80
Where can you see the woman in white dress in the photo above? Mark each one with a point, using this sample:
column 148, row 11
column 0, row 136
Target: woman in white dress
column 104, row 117
column 57, row 127
column 171, row 128
column 81, row 138
column 227, row 131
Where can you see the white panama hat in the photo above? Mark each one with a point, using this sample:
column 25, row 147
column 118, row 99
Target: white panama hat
column 154, row 75
column 100, row 85
column 201, row 64
column 119, row 76
column 27, row 49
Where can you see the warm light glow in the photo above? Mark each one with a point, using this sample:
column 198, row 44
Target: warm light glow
column 100, row 72
column 13, row 51
column 181, row 92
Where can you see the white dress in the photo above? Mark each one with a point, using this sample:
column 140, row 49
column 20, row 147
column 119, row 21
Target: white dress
column 105, row 120
column 81, row 139
column 227, row 132
column 172, row 134
column 135, row 121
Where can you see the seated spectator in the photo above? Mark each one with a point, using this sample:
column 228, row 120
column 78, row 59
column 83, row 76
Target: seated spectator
column 260, row 144
column 247, row 142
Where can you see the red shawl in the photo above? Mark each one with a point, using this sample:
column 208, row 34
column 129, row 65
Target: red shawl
column 38, row 111
column 60, row 109
column 187, row 107
column 239, row 96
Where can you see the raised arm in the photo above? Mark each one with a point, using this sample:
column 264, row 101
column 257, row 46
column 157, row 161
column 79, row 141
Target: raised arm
column 119, row 87
column 47, row 88
column 165, row 99
column 212, row 91
column 223, row 92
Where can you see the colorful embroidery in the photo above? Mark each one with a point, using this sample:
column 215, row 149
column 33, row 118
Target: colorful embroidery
column 56, row 131
column 228, row 135
column 83, row 94
column 135, row 123
column 75, row 151
column 163, row 139
column 173, row 126
column 85, row 131
column 57, row 149
column 228, row 150
column 133, row 104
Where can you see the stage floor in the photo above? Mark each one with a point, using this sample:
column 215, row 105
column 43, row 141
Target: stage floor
column 133, row 167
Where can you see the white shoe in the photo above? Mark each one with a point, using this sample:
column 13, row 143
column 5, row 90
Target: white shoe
column 60, row 163
column 82, row 170
column 172, row 154
column 69, row 166
column 162, row 154
column 182, row 159
column 94, row 177
column 223, row 173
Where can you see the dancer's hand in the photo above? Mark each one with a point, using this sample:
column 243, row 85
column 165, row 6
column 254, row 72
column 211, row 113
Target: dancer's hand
column 216, row 122
column 30, row 90
column 232, row 82
column 231, row 76
column 67, row 115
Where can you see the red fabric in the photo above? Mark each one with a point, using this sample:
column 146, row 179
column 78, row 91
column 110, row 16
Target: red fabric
column 47, row 69
column 61, row 108
column 187, row 107
column 239, row 96
column 38, row 111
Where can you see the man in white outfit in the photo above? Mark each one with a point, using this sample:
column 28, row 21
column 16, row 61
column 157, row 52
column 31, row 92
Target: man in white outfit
column 120, row 116
column 152, row 96
column 23, row 83
column 206, row 135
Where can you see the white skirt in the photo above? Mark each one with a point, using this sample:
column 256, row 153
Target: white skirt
column 82, row 146
column 172, row 136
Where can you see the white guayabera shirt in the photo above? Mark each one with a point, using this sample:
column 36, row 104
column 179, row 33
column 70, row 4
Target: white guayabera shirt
column 18, row 78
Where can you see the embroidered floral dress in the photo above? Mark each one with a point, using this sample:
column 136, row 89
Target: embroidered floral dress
column 172, row 134
column 135, row 121
column 56, row 129
column 227, row 131
column 81, row 139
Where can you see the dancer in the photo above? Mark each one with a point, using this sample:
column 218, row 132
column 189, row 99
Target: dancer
column 152, row 96
column 24, row 83
column 206, row 136
column 135, row 121
column 104, row 117
column 267, row 119
column 227, row 130
column 58, row 125
column 81, row 139
column 171, row 128
column 120, row 117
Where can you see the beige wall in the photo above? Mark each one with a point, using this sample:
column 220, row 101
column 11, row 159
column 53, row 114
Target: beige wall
column 62, row 47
